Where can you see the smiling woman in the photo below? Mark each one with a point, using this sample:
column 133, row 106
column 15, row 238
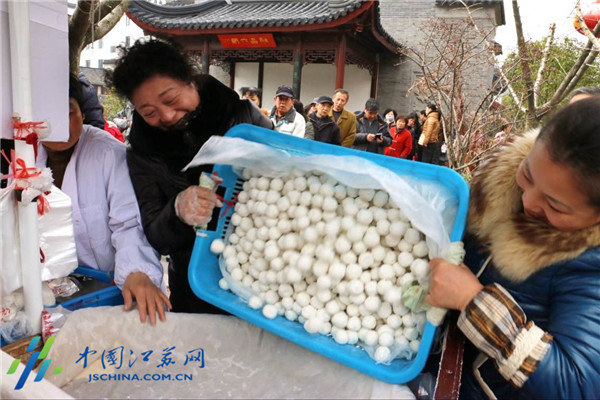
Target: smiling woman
column 175, row 113
column 534, row 242
column 166, row 103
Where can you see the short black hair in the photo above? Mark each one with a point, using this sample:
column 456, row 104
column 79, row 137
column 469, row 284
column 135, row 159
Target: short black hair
column 145, row 59
column 372, row 105
column 76, row 90
column 299, row 107
column 422, row 112
column 572, row 138
column 388, row 110
column 432, row 106
column 402, row 117
column 251, row 90
column 589, row 90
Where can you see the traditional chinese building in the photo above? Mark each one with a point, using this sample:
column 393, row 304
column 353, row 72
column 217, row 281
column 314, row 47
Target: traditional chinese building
column 313, row 45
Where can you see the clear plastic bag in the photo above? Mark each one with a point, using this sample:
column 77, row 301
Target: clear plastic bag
column 430, row 207
column 16, row 328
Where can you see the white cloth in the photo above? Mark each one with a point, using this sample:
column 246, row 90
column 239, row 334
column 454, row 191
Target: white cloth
column 296, row 128
column 241, row 361
column 106, row 216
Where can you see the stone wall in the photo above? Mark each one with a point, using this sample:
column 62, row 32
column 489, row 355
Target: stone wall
column 408, row 22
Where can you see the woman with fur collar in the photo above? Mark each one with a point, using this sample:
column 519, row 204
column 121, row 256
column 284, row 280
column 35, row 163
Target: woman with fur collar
column 532, row 312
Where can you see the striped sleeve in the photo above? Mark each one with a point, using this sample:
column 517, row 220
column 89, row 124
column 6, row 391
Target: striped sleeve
column 497, row 326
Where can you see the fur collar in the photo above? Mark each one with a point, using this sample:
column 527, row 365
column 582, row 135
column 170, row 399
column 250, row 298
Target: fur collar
column 520, row 246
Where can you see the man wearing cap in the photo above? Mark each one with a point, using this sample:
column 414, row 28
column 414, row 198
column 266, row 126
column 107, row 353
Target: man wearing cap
column 345, row 119
column 284, row 115
column 372, row 133
column 325, row 129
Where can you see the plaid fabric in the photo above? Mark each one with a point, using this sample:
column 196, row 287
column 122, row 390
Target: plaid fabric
column 498, row 327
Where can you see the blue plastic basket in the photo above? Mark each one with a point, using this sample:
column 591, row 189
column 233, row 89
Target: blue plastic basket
column 110, row 296
column 204, row 272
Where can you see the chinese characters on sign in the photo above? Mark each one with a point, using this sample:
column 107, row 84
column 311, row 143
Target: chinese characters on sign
column 121, row 357
column 114, row 357
column 247, row 41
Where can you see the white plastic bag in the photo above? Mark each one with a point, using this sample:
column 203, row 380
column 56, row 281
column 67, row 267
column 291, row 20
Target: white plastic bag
column 57, row 237
column 10, row 256
column 431, row 207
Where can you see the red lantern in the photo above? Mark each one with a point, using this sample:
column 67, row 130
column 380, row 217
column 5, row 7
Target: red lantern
column 591, row 16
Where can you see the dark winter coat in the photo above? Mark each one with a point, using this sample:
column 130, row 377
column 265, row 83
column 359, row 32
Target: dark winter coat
column 91, row 108
column 553, row 275
column 363, row 128
column 325, row 129
column 155, row 160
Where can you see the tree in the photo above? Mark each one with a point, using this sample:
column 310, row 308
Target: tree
column 448, row 59
column 529, row 100
column 454, row 49
column 554, row 62
column 91, row 20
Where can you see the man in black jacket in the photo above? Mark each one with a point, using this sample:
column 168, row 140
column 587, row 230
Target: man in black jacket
column 176, row 112
column 326, row 130
column 372, row 133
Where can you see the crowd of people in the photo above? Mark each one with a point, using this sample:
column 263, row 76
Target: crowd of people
column 417, row 136
column 528, row 292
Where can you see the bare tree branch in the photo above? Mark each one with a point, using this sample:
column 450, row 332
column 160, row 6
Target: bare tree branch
column 588, row 33
column 545, row 55
column 526, row 77
column 586, row 57
column 111, row 18
column 92, row 20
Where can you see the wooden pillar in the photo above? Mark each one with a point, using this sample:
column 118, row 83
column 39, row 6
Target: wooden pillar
column 340, row 62
column 375, row 77
column 205, row 57
column 232, row 74
column 261, row 79
column 297, row 77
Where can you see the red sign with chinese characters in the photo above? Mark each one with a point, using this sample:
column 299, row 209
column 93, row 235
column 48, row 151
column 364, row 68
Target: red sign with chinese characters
column 245, row 41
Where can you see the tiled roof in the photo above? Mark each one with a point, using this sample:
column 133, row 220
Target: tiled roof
column 230, row 15
column 468, row 2
column 213, row 14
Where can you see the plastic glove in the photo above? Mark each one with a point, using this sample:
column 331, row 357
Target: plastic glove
column 194, row 205
column 414, row 294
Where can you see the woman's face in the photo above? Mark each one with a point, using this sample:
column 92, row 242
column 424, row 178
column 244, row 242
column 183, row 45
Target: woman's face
column 551, row 193
column 400, row 124
column 75, row 129
column 253, row 97
column 164, row 102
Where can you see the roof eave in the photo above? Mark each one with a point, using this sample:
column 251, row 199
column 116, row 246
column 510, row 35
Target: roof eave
column 263, row 29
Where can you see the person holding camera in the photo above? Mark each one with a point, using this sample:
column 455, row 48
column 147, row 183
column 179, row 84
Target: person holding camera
column 372, row 133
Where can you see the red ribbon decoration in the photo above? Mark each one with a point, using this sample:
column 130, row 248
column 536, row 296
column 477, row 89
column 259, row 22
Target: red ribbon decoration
column 26, row 131
column 20, row 171
column 42, row 204
column 228, row 204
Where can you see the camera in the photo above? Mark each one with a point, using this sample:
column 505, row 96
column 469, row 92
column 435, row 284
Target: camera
column 379, row 136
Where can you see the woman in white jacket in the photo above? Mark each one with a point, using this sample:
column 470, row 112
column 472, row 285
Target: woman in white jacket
column 91, row 168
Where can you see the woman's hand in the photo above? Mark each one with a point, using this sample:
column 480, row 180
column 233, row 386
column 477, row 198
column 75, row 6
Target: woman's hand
column 194, row 205
column 149, row 298
column 451, row 286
